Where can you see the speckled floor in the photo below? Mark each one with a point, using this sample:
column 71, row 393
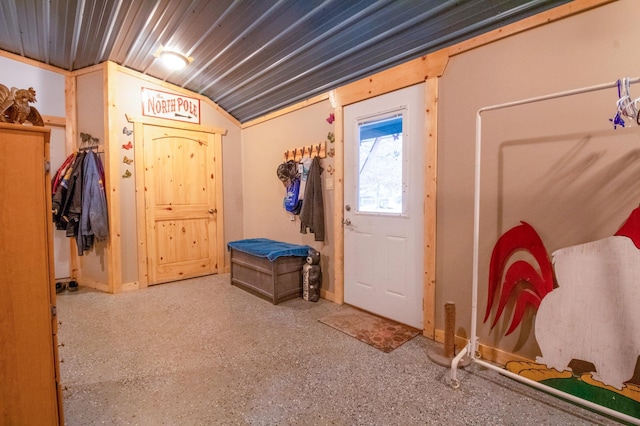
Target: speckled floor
column 202, row 352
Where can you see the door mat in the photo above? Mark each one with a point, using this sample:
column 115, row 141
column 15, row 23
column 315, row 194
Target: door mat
column 380, row 333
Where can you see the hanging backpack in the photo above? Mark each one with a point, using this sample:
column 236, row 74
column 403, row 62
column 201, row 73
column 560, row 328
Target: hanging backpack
column 292, row 202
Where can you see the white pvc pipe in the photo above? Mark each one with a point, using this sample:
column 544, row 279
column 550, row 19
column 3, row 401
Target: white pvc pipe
column 557, row 95
column 476, row 237
column 473, row 345
column 455, row 383
column 561, row 394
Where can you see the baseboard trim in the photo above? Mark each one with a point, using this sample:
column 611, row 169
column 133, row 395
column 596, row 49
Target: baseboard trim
column 488, row 353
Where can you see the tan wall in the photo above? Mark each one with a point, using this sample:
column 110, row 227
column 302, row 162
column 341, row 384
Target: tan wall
column 129, row 85
column 232, row 175
column 262, row 151
column 557, row 165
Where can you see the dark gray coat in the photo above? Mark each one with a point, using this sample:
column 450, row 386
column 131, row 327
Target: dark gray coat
column 312, row 213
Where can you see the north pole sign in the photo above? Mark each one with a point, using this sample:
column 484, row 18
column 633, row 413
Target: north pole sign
column 170, row 106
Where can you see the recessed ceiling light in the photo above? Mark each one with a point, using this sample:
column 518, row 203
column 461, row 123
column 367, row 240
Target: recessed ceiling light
column 172, row 59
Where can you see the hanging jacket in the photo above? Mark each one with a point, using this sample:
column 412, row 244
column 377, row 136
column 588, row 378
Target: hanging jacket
column 57, row 178
column 93, row 218
column 59, row 189
column 66, row 200
column 312, row 213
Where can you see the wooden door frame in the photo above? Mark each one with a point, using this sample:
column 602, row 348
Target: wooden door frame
column 428, row 70
column 414, row 122
column 141, row 217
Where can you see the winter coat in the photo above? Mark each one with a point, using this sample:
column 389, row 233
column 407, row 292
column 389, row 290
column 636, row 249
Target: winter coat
column 93, row 219
column 312, row 213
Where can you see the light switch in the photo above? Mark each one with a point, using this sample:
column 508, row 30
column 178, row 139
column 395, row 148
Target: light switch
column 328, row 183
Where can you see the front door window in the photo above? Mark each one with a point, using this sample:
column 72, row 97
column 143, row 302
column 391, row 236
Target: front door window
column 381, row 165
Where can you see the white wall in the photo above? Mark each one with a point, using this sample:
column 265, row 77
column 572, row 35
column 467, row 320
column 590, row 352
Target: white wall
column 49, row 87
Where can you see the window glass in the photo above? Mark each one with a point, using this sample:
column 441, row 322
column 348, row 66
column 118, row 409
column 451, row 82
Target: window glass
column 381, row 160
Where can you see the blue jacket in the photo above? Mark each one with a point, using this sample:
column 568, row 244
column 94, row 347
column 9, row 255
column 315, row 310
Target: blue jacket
column 94, row 220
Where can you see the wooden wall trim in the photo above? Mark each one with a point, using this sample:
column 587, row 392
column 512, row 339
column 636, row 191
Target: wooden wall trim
column 141, row 217
column 178, row 89
column 217, row 159
column 551, row 15
column 487, row 353
column 338, row 203
column 434, row 64
column 287, row 110
column 430, row 188
column 159, row 122
column 425, row 69
column 329, row 295
column 54, row 121
column 70, row 132
column 71, row 112
column 33, row 63
column 102, row 67
column 114, row 242
column 412, row 72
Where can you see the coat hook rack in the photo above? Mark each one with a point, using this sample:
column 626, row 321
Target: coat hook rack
column 297, row 154
column 88, row 142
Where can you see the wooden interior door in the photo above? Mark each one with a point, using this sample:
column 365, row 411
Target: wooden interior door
column 180, row 202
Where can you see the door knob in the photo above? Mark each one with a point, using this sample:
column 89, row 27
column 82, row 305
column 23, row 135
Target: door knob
column 347, row 208
column 347, row 222
column 212, row 211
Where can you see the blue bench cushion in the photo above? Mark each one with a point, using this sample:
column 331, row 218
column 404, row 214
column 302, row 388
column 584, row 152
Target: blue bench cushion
column 263, row 247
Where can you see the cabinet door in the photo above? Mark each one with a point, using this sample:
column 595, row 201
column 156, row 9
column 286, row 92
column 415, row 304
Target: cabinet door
column 28, row 390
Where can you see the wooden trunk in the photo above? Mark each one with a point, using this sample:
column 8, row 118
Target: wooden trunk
column 276, row 281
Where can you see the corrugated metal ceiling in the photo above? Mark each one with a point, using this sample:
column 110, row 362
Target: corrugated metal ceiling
column 250, row 56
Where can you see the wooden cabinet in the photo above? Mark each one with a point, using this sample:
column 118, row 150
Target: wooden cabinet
column 29, row 374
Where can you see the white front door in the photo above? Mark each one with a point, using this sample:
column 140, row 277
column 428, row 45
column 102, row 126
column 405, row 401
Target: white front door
column 383, row 211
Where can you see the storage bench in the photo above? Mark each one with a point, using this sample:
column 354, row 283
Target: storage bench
column 269, row 269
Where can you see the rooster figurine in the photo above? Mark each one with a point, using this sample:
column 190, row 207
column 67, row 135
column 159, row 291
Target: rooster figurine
column 15, row 108
column 592, row 314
